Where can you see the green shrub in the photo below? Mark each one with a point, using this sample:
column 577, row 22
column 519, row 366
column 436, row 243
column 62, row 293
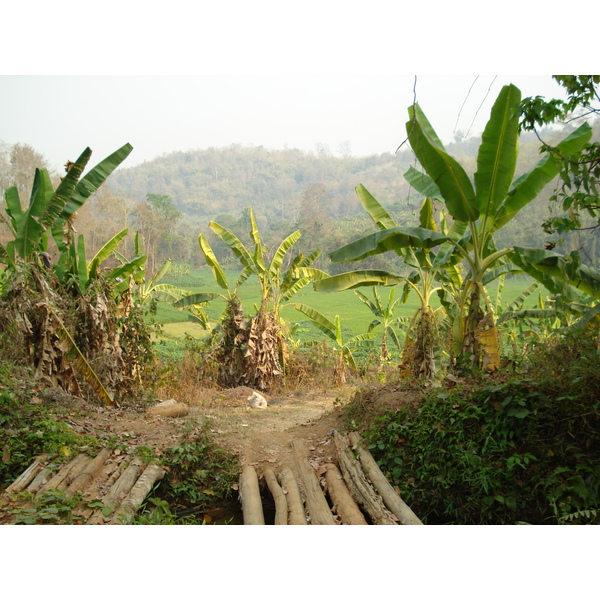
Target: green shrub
column 199, row 471
column 524, row 450
column 28, row 430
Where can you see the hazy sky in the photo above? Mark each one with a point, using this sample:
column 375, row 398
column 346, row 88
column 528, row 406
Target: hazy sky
column 60, row 115
column 183, row 75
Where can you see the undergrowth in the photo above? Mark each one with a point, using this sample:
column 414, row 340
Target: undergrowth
column 199, row 471
column 522, row 450
column 28, row 430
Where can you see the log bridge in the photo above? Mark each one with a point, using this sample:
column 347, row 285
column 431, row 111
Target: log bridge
column 118, row 481
column 358, row 492
column 112, row 486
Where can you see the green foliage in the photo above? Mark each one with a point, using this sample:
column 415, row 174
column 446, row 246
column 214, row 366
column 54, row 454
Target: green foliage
column 578, row 196
column 53, row 507
column 28, row 430
column 49, row 210
column 199, row 471
column 522, row 450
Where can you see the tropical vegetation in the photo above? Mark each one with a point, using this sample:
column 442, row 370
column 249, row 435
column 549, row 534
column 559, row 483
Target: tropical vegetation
column 499, row 432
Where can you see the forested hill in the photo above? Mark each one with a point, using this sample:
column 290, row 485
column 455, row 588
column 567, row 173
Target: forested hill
column 215, row 181
column 206, row 183
column 290, row 189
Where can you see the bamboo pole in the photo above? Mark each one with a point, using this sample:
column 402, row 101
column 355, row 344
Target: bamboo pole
column 117, row 492
column 86, row 477
column 343, row 503
column 132, row 502
column 62, row 474
column 318, row 508
column 23, row 480
column 358, row 485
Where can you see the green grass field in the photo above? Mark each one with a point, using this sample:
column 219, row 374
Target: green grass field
column 355, row 316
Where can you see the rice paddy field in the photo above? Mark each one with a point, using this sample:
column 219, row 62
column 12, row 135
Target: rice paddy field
column 355, row 315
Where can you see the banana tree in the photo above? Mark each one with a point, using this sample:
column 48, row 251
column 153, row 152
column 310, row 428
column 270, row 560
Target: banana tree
column 52, row 211
column 482, row 207
column 333, row 330
column 384, row 316
column 263, row 336
column 421, row 357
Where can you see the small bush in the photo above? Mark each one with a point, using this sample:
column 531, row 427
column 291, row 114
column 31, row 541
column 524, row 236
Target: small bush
column 199, row 471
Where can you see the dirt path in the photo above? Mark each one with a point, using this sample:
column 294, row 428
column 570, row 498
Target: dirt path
column 260, row 437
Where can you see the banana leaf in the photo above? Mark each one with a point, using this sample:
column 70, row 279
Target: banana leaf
column 423, row 184
column 322, row 323
column 66, row 188
column 453, row 182
column 582, row 323
column 259, row 258
column 192, row 299
column 388, row 240
column 13, row 207
column 93, row 180
column 28, row 233
column 167, row 292
column 518, row 302
column 236, row 246
column 277, row 261
column 379, row 215
column 355, row 279
column 497, row 157
column 212, row 262
column 124, row 271
column 555, row 265
column 105, row 252
column 529, row 185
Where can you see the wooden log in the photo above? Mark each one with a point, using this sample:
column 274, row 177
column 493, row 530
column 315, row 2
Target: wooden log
column 390, row 497
column 74, row 472
column 132, row 502
column 359, row 487
column 250, row 497
column 86, row 477
column 281, row 507
column 116, row 494
column 23, row 480
column 55, row 482
column 343, row 503
column 296, row 514
column 318, row 508
column 39, row 480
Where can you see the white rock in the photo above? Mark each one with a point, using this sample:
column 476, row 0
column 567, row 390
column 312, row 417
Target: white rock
column 257, row 401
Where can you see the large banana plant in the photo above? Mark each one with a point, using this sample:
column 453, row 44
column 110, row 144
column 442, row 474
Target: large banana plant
column 263, row 335
column 49, row 211
column 277, row 285
column 482, row 206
